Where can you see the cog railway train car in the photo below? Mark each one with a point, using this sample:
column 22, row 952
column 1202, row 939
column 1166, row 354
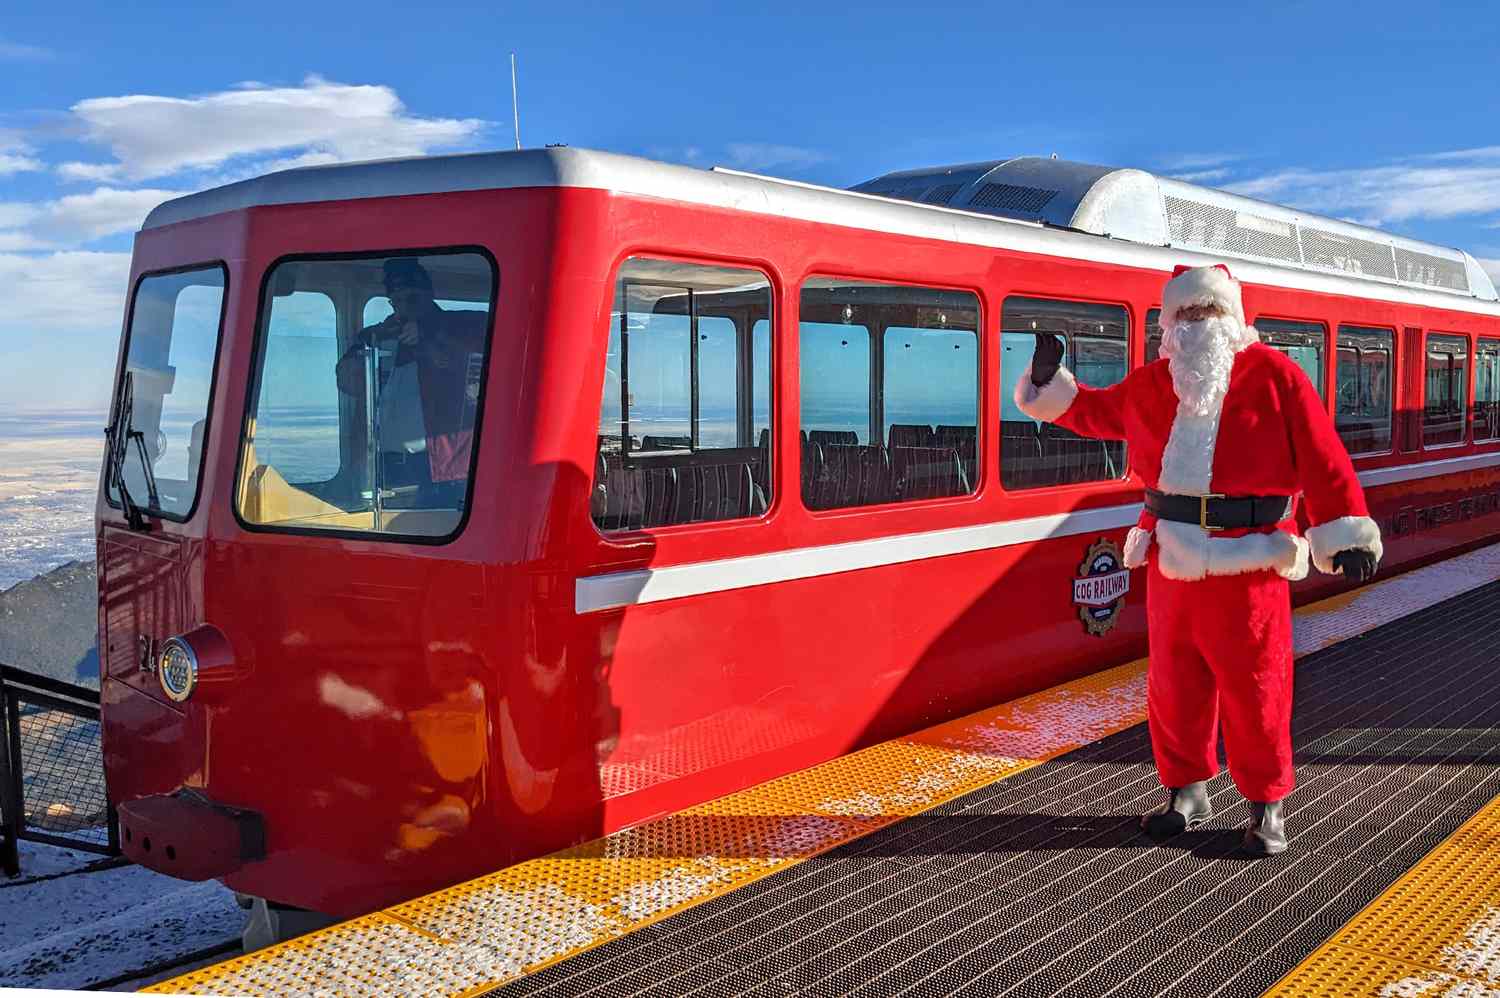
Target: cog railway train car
column 460, row 509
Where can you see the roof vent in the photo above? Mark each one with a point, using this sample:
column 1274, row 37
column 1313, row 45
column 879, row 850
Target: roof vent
column 942, row 194
column 1433, row 271
column 1228, row 230
column 1346, row 254
column 1012, row 198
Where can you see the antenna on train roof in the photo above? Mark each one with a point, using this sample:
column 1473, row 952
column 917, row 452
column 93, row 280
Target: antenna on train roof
column 515, row 107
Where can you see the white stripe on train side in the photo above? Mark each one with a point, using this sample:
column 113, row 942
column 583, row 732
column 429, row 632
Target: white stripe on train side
column 615, row 590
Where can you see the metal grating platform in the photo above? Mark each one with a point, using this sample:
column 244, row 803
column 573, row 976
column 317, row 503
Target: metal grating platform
column 1039, row 883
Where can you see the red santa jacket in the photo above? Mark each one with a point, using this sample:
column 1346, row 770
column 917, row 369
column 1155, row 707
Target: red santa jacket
column 1271, row 436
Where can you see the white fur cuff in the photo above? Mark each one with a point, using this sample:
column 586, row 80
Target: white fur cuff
column 1049, row 401
column 1328, row 539
column 1137, row 546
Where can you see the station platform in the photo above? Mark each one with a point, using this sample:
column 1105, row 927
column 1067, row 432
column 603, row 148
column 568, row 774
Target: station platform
column 999, row 854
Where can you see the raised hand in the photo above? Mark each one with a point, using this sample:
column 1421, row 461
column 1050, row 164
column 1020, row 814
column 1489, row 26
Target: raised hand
column 1357, row 564
column 1046, row 358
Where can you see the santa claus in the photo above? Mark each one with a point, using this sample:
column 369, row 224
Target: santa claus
column 1225, row 433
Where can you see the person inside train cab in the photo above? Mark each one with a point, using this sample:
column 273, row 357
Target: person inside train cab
column 425, row 404
column 1225, row 433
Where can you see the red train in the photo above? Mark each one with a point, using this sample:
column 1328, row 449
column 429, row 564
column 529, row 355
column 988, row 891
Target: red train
column 460, row 509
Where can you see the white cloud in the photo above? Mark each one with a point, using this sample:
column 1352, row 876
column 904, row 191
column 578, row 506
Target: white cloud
column 153, row 136
column 16, row 52
column 1202, row 176
column 16, row 155
column 76, row 218
column 1466, row 184
column 11, row 162
column 1199, row 161
column 97, row 172
column 765, row 155
column 71, row 292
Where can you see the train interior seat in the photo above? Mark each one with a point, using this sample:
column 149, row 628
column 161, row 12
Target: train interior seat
column 1034, row 456
column 686, row 487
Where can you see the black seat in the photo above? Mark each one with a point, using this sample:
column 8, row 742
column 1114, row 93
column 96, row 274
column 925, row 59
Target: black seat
column 850, row 475
column 708, row 492
column 1020, row 454
column 650, row 443
column 630, row 498
column 964, row 440
column 927, row 472
column 841, row 437
column 911, row 435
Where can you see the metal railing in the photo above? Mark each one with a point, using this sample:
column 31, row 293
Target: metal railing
column 51, row 768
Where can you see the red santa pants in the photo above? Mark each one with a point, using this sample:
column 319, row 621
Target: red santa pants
column 1221, row 651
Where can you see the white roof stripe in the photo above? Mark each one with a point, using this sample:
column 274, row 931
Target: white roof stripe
column 580, row 168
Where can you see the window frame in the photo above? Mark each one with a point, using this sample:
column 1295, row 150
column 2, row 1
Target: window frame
column 774, row 292
column 1465, row 438
column 876, row 375
column 1324, row 395
column 1478, row 340
column 1005, row 390
column 1393, row 380
column 257, row 374
column 213, row 384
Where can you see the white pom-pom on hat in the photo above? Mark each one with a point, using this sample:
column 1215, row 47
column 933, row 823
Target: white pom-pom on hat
column 1201, row 286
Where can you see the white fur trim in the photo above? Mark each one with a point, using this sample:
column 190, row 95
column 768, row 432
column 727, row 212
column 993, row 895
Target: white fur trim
column 1049, row 401
column 1189, row 553
column 1328, row 539
column 1137, row 544
column 1201, row 286
column 1187, row 462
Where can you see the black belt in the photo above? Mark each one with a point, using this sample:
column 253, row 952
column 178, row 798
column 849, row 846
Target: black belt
column 1216, row 512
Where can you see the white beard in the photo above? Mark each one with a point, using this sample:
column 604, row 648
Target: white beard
column 1200, row 355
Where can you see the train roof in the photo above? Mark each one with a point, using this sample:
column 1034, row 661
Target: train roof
column 1032, row 204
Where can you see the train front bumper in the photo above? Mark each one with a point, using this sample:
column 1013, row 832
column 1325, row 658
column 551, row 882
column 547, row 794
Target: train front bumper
column 188, row 836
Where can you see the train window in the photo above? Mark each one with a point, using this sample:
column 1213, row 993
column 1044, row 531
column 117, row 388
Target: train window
column 1036, row 455
column 172, row 341
column 835, row 380
column 1487, row 390
column 1303, row 342
column 1446, row 389
column 890, row 393
column 1362, row 405
column 685, row 421
column 362, row 418
column 1153, row 335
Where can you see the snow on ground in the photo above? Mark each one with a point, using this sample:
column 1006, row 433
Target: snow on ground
column 85, row 927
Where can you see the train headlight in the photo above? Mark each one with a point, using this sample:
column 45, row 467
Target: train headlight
column 177, row 669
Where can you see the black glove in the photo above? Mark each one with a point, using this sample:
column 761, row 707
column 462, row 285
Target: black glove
column 1357, row 564
column 1044, row 361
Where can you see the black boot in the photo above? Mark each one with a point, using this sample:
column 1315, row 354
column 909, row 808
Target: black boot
column 1188, row 808
column 1266, row 835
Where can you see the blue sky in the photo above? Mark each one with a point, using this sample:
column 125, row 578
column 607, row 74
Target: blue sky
column 1386, row 118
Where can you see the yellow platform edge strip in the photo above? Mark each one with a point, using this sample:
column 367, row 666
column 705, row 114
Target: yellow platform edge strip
column 469, row 938
column 1435, row 931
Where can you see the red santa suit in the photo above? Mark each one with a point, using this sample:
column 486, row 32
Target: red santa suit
column 1218, row 602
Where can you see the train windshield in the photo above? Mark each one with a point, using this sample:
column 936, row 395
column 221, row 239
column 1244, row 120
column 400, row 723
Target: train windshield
column 161, row 408
column 367, row 386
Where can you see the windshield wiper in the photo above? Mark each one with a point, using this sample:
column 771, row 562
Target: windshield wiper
column 119, row 436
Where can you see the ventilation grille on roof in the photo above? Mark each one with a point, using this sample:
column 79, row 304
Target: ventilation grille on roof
column 1214, row 227
column 942, row 194
column 1433, row 271
column 1346, row 254
column 1011, row 197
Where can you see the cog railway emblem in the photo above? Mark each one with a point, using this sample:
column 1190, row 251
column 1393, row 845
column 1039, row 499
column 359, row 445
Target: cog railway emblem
column 1100, row 587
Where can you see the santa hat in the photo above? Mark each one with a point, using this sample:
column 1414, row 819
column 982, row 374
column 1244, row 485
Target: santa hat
column 1201, row 286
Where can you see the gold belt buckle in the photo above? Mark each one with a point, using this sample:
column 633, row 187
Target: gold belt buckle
column 1203, row 510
